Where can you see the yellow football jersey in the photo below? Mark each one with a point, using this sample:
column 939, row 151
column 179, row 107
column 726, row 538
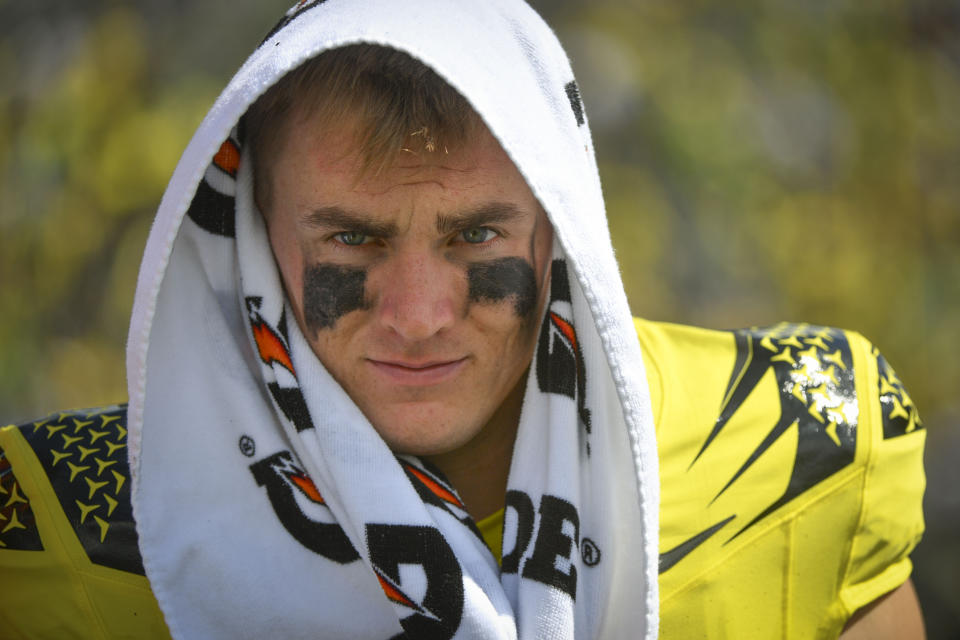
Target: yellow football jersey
column 791, row 484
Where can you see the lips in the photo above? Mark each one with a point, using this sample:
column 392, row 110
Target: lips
column 418, row 373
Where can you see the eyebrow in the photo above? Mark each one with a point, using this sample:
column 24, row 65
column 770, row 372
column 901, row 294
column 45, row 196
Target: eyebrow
column 338, row 218
column 334, row 217
column 490, row 213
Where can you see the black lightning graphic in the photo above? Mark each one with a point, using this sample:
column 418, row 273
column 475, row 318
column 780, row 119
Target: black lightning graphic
column 682, row 550
column 813, row 367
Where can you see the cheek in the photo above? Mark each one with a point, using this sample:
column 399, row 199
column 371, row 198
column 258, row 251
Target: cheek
column 330, row 292
column 504, row 299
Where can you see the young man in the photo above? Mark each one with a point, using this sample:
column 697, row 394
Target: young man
column 384, row 381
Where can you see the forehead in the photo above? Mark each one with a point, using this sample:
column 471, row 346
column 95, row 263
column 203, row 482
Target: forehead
column 326, row 158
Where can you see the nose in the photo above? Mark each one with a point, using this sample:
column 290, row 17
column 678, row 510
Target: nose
column 419, row 295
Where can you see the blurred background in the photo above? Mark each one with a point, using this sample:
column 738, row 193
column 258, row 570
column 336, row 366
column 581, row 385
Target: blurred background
column 762, row 160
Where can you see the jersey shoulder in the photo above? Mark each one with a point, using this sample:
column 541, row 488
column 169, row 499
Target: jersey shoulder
column 780, row 447
column 67, row 535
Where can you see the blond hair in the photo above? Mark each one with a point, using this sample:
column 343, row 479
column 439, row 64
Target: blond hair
column 398, row 103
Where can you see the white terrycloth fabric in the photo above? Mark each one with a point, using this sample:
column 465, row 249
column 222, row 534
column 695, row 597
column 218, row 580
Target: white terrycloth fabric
column 266, row 504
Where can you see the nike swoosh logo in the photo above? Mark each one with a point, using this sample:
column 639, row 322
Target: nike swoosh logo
column 679, row 552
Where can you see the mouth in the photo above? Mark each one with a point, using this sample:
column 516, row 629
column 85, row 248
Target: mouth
column 418, row 373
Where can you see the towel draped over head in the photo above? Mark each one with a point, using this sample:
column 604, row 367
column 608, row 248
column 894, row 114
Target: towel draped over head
column 266, row 503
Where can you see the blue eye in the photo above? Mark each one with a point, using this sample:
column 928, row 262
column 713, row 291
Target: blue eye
column 478, row 235
column 352, row 238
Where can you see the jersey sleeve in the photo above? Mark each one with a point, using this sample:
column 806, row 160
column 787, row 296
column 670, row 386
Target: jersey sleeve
column 69, row 562
column 891, row 518
column 791, row 478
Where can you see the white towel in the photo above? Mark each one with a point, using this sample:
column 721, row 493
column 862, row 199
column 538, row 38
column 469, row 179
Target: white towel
column 266, row 504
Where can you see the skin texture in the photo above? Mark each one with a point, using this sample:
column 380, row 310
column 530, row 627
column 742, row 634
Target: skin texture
column 418, row 288
column 894, row 616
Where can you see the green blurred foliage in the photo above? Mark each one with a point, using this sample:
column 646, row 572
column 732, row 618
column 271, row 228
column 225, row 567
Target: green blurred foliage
column 98, row 101
column 87, row 154
column 762, row 160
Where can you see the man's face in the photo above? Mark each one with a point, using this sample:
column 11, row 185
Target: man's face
column 420, row 287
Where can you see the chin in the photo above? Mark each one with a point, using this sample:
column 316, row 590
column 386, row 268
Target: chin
column 424, row 431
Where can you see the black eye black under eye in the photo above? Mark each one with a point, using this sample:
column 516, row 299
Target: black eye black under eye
column 331, row 291
column 498, row 280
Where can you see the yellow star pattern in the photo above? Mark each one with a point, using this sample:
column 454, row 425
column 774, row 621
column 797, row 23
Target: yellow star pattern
column 112, row 447
column 767, row 343
column 85, row 510
column 93, row 444
column 15, row 497
column 804, row 373
column 53, row 428
column 835, row 358
column 94, row 486
column 13, row 524
column 70, row 445
column 84, row 452
column 783, row 356
column 886, row 387
column 80, row 424
column 898, row 411
column 103, row 524
column 792, row 341
column 103, row 464
column 821, row 392
column 15, row 512
column 824, row 333
column 814, row 374
column 900, row 415
column 106, row 419
column 111, row 504
column 69, row 440
column 75, row 469
column 119, row 478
